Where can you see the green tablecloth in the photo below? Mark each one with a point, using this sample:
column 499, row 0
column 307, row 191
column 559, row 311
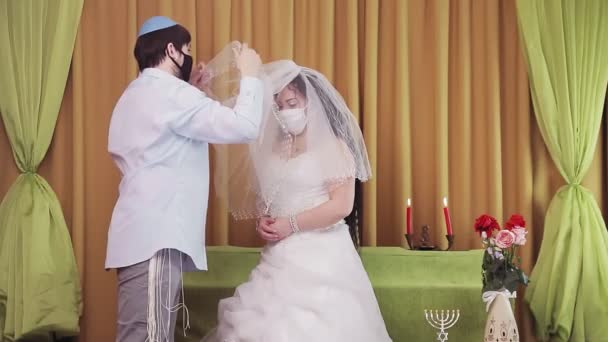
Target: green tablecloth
column 405, row 282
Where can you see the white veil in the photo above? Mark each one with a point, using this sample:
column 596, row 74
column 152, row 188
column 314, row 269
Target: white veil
column 332, row 139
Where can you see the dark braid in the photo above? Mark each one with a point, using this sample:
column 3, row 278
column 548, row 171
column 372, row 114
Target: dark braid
column 355, row 218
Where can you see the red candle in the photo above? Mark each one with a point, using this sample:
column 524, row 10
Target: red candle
column 409, row 216
column 446, row 214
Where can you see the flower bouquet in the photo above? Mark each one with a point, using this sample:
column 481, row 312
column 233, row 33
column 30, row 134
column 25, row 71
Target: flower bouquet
column 501, row 273
column 501, row 265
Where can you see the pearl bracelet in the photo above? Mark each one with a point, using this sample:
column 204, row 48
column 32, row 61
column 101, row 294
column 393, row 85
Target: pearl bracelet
column 294, row 224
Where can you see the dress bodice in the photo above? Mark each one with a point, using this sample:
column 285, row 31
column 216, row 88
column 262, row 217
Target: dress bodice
column 292, row 186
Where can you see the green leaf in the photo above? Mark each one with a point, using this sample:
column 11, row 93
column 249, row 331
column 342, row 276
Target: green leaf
column 511, row 280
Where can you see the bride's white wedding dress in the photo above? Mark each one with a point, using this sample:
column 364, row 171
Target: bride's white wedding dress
column 309, row 287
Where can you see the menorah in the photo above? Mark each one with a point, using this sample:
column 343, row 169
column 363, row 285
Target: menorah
column 442, row 321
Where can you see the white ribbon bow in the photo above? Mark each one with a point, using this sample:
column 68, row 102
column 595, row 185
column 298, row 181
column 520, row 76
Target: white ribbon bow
column 489, row 296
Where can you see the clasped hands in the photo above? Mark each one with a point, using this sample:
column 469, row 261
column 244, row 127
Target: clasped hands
column 273, row 229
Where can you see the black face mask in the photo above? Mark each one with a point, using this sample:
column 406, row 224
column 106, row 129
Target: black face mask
column 186, row 68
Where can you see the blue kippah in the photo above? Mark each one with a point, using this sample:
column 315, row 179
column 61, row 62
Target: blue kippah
column 155, row 24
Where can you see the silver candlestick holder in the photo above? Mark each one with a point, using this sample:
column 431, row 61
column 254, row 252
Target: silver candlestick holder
column 442, row 321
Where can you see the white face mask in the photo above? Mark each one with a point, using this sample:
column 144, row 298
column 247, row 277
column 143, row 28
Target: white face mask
column 293, row 120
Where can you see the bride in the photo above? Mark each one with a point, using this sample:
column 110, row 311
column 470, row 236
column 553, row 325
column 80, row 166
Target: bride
column 310, row 284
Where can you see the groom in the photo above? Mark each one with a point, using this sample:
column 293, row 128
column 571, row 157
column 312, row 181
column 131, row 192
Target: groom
column 159, row 135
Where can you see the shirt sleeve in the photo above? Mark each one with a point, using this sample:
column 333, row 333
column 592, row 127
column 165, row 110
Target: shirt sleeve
column 200, row 118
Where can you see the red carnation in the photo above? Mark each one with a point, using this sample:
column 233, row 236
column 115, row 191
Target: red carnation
column 486, row 223
column 516, row 220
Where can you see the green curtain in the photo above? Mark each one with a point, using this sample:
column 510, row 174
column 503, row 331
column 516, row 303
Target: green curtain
column 566, row 43
column 38, row 271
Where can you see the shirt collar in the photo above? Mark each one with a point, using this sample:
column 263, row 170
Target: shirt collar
column 159, row 73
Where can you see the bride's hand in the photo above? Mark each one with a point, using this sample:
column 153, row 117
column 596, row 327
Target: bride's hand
column 282, row 227
column 264, row 230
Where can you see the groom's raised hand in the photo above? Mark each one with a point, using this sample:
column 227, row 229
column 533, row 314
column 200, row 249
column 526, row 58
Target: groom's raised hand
column 200, row 77
column 247, row 60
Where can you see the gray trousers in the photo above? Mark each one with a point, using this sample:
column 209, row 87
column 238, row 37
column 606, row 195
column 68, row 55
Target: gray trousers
column 161, row 277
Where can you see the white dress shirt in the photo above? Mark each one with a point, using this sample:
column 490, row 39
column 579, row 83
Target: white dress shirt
column 159, row 135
